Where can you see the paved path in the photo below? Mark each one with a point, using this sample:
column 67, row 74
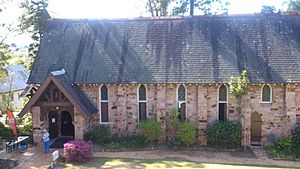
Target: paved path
column 33, row 159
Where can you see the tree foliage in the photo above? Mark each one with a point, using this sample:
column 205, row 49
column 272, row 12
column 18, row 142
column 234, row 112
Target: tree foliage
column 268, row 9
column 151, row 129
column 33, row 21
column 238, row 87
column 158, row 7
column 207, row 7
column 293, row 6
column 238, row 84
column 182, row 7
column 6, row 30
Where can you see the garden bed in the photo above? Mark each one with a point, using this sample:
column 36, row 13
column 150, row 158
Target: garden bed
column 195, row 147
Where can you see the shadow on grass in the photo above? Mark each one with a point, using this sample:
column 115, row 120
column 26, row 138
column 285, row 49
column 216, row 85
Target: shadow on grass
column 112, row 163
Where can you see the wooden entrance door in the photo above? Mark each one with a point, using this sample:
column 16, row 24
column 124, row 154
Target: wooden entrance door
column 53, row 125
column 67, row 127
column 256, row 127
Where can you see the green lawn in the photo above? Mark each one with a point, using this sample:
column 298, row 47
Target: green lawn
column 113, row 163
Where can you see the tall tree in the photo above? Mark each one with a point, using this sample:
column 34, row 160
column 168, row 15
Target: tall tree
column 293, row 6
column 33, row 21
column 268, row 9
column 158, row 7
column 5, row 31
column 207, row 7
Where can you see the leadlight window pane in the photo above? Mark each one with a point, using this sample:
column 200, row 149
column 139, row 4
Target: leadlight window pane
column 181, row 93
column 266, row 93
column 104, row 93
column 142, row 111
column 104, row 112
column 142, row 93
column 223, row 93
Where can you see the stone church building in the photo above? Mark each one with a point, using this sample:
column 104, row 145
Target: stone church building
column 119, row 72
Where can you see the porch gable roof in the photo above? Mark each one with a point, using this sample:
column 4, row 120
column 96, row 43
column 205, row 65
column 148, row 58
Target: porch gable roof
column 73, row 94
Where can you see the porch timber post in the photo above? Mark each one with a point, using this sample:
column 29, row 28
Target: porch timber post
column 36, row 124
column 80, row 125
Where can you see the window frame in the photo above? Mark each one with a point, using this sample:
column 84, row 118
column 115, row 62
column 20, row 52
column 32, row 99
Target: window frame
column 225, row 102
column 180, row 102
column 141, row 101
column 261, row 93
column 103, row 101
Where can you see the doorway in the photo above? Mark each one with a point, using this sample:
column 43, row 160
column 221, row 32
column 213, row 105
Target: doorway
column 256, row 124
column 67, row 127
column 53, row 124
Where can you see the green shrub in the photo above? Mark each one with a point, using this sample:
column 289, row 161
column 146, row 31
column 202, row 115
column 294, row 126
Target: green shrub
column 26, row 130
column 151, row 129
column 173, row 119
column 285, row 145
column 88, row 136
column 6, row 133
column 283, row 148
column 99, row 134
column 296, row 135
column 186, row 132
column 297, row 151
column 134, row 141
column 272, row 151
column 224, row 134
column 174, row 142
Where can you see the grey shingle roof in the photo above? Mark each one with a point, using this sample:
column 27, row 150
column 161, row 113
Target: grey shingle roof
column 206, row 49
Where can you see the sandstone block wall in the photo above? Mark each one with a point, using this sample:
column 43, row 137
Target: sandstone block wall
column 277, row 117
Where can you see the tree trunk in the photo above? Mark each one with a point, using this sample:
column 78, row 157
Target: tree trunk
column 151, row 8
column 192, row 5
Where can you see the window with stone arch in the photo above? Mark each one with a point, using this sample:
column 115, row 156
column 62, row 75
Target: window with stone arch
column 181, row 102
column 266, row 93
column 104, row 104
column 142, row 103
column 222, row 103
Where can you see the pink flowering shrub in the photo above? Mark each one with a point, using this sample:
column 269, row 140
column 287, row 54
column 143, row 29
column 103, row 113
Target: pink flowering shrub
column 78, row 151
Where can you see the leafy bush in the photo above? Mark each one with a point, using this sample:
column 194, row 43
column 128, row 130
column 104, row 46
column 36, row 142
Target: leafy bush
column 186, row 132
column 99, row 134
column 297, row 151
column 285, row 144
column 151, row 129
column 174, row 142
column 6, row 133
column 78, row 151
column 134, row 141
column 173, row 119
column 296, row 135
column 283, row 148
column 224, row 134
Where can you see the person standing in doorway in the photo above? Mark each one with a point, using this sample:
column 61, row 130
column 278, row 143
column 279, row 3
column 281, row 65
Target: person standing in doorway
column 46, row 141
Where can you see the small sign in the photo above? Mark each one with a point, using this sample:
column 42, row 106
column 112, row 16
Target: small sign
column 53, row 120
column 55, row 155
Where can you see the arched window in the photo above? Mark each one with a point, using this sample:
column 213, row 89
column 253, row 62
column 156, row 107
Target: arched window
column 181, row 102
column 266, row 94
column 142, row 103
column 104, row 104
column 222, row 105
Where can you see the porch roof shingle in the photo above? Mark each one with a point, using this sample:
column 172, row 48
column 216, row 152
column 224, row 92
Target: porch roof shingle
column 72, row 93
